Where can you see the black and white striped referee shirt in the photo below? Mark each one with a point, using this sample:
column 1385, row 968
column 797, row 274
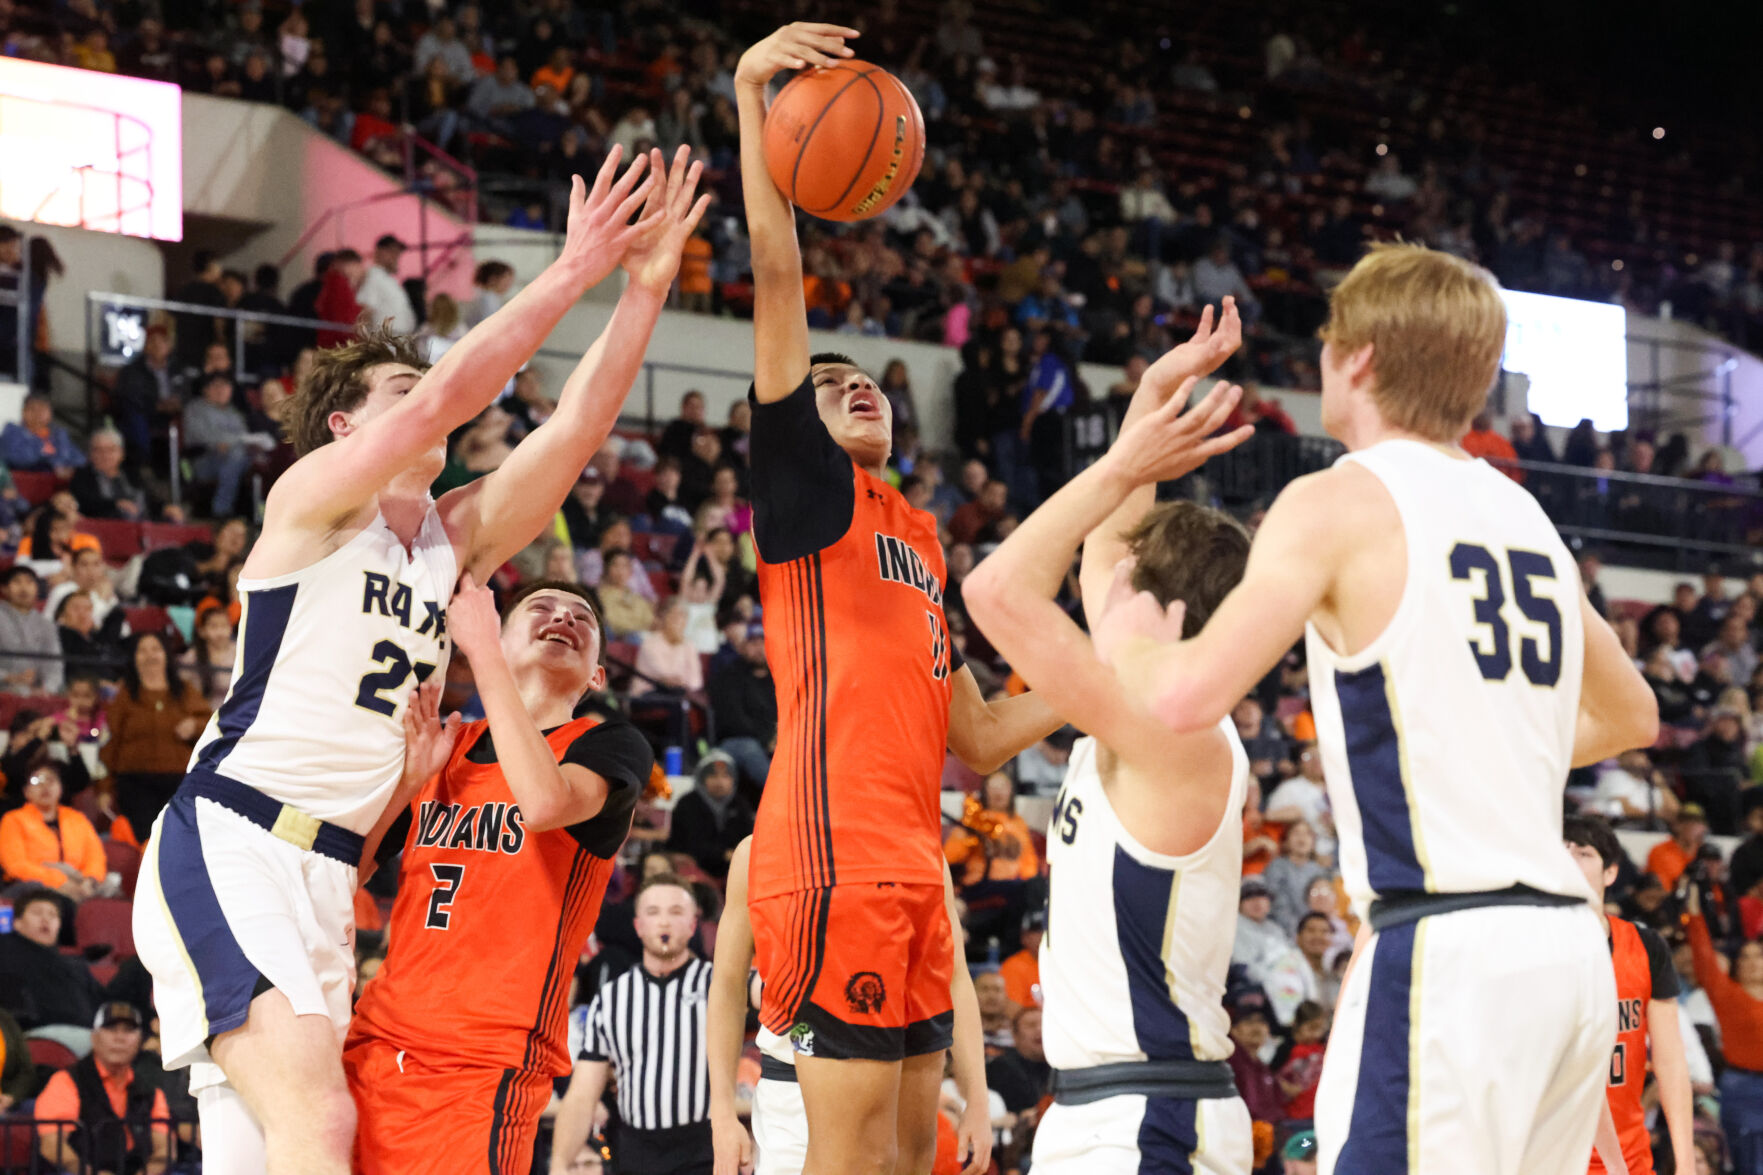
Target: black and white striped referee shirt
column 651, row 1030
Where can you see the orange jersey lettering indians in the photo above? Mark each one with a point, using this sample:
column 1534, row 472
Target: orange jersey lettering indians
column 491, row 917
column 1643, row 974
column 851, row 580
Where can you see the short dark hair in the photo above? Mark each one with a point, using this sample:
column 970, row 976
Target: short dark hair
column 585, row 594
column 489, row 271
column 338, row 381
column 267, row 276
column 1190, row 553
column 8, row 234
column 1308, row 1010
column 1593, row 832
column 13, row 572
column 615, row 553
column 1314, row 915
column 32, row 897
column 820, row 357
column 661, row 879
column 345, row 255
column 202, row 260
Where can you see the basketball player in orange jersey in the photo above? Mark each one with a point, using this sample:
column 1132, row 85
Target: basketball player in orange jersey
column 846, row 868
column 1646, row 1015
column 507, row 850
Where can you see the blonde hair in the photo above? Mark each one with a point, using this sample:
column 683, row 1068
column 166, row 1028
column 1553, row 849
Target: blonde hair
column 1437, row 327
column 443, row 315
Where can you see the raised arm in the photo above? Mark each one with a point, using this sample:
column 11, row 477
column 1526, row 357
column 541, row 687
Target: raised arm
column 495, row 516
column 1617, row 709
column 1201, row 355
column 780, row 315
column 726, row 1026
column 1010, row 595
column 332, row 482
column 1192, row 684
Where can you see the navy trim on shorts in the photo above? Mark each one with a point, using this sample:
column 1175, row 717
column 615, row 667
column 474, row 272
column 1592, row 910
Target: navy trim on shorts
column 330, row 840
column 933, row 1035
column 229, row 980
column 1169, row 1134
column 1377, row 1135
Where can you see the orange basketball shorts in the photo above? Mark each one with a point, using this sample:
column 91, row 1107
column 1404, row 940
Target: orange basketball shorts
column 857, row 971
column 416, row 1119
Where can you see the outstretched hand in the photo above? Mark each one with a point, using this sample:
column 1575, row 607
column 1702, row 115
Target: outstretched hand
column 1170, row 443
column 472, row 620
column 670, row 214
column 1200, row 355
column 795, row 46
column 599, row 232
column 428, row 740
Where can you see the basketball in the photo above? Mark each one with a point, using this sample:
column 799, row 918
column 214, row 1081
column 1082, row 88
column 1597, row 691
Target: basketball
column 844, row 142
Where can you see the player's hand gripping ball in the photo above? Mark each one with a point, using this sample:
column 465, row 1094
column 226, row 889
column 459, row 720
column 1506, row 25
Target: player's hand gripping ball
column 844, row 142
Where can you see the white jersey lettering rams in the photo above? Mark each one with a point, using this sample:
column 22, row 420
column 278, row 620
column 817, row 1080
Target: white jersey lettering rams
column 1138, row 943
column 327, row 657
column 1447, row 740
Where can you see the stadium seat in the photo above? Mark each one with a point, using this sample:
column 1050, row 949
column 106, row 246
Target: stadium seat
column 120, row 537
column 18, row 1145
column 650, row 547
column 35, row 488
column 155, row 535
column 124, row 860
column 147, row 618
column 51, row 1054
column 661, row 580
column 108, row 921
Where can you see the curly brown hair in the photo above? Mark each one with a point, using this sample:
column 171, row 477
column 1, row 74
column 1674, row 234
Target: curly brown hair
column 338, row 383
column 1190, row 553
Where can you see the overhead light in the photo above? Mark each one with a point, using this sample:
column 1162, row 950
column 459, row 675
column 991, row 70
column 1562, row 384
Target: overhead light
column 1617, row 265
column 1383, row 148
column 1658, row 132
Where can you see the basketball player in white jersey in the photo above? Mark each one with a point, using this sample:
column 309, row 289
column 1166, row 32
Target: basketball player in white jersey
column 779, row 1142
column 244, row 911
column 1456, row 672
column 1146, row 845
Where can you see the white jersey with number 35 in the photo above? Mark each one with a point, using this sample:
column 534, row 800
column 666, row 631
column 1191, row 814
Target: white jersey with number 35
column 327, row 657
column 1446, row 742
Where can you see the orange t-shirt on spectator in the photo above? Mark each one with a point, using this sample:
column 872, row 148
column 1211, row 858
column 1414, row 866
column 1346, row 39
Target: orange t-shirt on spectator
column 1015, row 860
column 1021, row 973
column 694, row 266
column 60, row 1100
column 80, row 541
column 830, row 296
column 1492, row 447
column 29, row 847
column 557, row 79
column 1667, row 862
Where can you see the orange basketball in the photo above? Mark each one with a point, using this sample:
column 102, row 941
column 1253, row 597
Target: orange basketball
column 844, row 142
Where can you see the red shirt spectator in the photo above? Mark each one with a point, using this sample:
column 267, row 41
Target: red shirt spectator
column 336, row 298
column 1482, row 441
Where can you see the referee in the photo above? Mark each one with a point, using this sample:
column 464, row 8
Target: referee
column 646, row 1028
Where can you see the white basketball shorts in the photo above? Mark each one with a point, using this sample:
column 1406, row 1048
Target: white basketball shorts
column 226, row 909
column 1471, row 1043
column 1134, row 1135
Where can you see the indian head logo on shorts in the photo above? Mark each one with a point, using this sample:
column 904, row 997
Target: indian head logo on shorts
column 866, row 993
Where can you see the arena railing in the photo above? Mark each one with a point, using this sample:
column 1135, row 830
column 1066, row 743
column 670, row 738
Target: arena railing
column 24, row 1148
column 1668, row 523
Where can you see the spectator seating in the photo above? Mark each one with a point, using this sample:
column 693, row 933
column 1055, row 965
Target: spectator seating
column 50, row 1054
column 147, row 618
column 125, row 861
column 155, row 535
column 120, row 538
column 107, row 921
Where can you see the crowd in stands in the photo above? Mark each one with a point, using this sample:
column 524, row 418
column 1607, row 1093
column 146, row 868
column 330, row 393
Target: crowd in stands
column 1106, row 200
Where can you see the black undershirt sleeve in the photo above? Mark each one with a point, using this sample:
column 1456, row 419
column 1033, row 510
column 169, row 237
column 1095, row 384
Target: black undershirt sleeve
column 617, row 753
column 393, row 844
column 804, row 485
column 1665, row 981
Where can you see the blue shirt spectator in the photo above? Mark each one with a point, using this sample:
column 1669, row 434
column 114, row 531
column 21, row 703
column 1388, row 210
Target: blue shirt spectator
column 36, row 444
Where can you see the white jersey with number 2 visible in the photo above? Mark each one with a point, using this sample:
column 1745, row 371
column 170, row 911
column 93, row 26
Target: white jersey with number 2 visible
column 327, row 657
column 1447, row 740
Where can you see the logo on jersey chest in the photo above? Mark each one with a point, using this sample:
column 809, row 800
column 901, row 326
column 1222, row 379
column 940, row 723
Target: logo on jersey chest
column 382, row 597
column 485, row 828
column 1629, row 1015
column 899, row 563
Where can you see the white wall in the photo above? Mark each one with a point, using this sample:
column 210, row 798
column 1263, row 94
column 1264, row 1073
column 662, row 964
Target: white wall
column 94, row 261
column 263, row 166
